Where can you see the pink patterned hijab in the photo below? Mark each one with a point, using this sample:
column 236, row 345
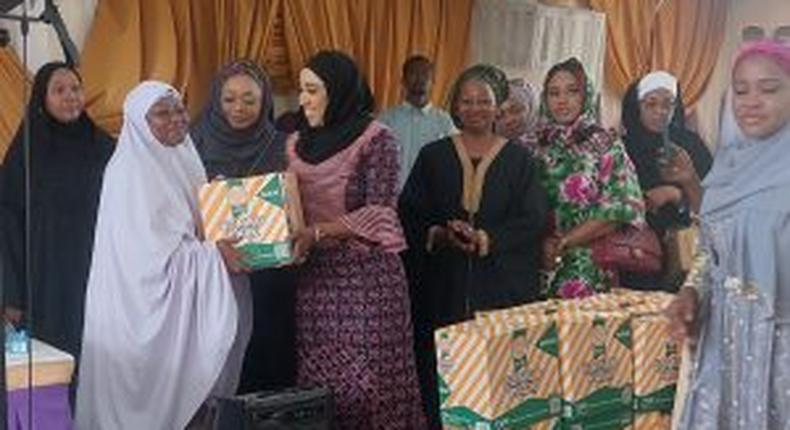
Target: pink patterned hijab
column 776, row 51
column 744, row 165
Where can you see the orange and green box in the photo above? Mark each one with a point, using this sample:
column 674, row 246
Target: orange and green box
column 262, row 211
column 499, row 376
column 596, row 365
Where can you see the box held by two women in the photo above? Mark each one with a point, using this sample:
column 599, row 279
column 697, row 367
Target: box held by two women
column 261, row 211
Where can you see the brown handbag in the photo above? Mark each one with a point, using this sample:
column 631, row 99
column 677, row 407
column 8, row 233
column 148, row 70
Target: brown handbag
column 630, row 249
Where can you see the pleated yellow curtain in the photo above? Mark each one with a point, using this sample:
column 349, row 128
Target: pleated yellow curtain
column 179, row 41
column 680, row 36
column 185, row 42
column 12, row 77
column 381, row 35
column 225, row 31
column 691, row 55
column 627, row 39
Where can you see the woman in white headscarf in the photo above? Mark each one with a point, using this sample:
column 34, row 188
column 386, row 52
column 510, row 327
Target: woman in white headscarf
column 165, row 324
column 653, row 115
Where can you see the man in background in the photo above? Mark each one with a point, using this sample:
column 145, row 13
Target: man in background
column 415, row 121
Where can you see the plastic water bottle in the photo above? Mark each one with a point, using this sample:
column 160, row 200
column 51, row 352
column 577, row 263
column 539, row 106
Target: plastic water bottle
column 15, row 340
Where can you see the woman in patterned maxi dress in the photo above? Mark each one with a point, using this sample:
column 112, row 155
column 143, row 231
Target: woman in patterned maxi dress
column 353, row 318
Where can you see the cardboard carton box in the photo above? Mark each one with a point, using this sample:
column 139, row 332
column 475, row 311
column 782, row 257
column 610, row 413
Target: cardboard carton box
column 499, row 376
column 617, row 363
column 263, row 211
column 656, row 368
column 656, row 354
column 502, row 316
column 596, row 366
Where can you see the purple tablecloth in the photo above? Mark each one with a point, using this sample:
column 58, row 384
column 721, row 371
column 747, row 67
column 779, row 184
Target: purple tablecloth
column 51, row 409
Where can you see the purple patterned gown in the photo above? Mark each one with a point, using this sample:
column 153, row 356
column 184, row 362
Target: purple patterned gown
column 354, row 332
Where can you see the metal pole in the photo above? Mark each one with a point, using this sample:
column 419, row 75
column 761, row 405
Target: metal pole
column 25, row 29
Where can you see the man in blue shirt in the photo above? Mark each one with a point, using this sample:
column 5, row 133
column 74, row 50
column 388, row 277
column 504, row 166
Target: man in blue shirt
column 415, row 121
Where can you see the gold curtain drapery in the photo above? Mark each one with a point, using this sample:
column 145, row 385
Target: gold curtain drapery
column 185, row 43
column 381, row 35
column 680, row 36
column 179, row 41
column 12, row 78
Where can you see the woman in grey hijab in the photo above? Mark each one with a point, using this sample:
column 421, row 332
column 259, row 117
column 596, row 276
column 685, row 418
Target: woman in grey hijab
column 235, row 133
column 236, row 137
column 736, row 307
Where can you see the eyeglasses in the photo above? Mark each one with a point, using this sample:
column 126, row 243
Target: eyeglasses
column 167, row 109
column 167, row 114
column 754, row 33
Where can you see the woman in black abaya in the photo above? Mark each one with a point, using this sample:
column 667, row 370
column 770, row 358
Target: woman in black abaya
column 68, row 156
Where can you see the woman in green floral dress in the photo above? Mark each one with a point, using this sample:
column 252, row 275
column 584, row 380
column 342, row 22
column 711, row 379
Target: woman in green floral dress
column 591, row 183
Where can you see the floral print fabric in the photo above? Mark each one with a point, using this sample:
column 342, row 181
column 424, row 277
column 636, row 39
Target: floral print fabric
column 588, row 176
column 587, row 185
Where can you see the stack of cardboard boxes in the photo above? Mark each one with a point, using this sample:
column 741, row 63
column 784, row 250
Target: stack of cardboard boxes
column 606, row 362
column 500, row 376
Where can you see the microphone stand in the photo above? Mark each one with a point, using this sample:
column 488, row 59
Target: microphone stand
column 51, row 16
column 3, row 385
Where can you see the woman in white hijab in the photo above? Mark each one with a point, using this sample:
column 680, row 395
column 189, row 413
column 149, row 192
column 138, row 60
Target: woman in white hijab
column 165, row 324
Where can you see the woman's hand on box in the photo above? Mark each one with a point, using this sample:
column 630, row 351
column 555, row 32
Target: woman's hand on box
column 234, row 259
column 303, row 241
column 682, row 314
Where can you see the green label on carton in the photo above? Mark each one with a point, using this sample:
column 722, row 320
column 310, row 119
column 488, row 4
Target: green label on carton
column 623, row 333
column 611, row 420
column 526, row 414
column 606, row 399
column 549, row 342
column 272, row 191
column 263, row 255
column 661, row 400
column 461, row 416
column 444, row 390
